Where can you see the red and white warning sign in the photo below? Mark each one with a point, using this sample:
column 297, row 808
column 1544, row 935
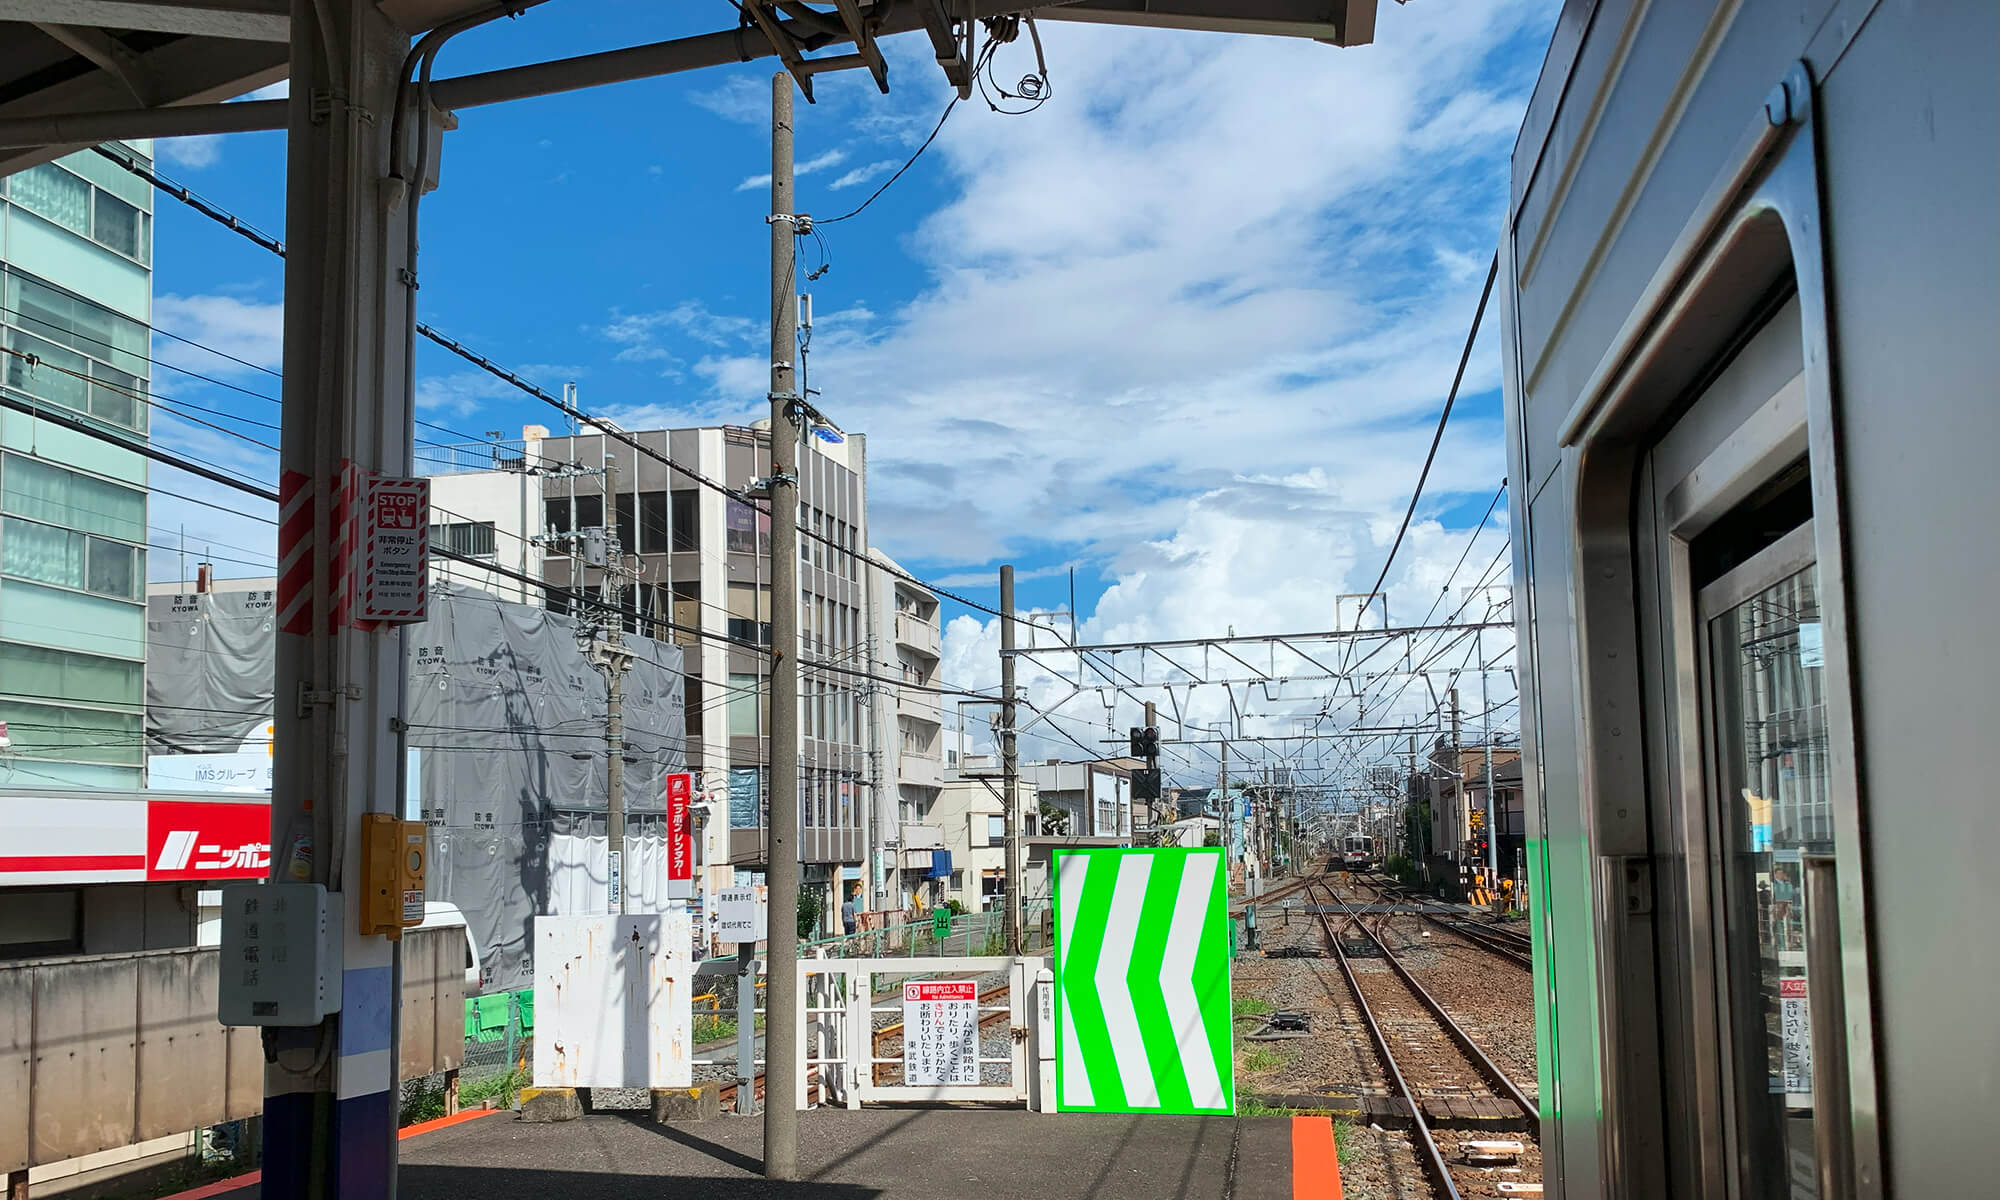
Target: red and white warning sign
column 395, row 551
column 940, row 1033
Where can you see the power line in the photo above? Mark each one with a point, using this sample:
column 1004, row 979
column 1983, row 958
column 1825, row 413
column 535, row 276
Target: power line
column 243, row 228
column 1451, row 397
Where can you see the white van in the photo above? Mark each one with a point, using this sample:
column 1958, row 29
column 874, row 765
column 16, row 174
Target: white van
column 437, row 915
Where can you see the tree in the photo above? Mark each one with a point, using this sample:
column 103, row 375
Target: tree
column 1055, row 821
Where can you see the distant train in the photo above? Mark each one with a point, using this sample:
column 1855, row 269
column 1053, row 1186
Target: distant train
column 1357, row 851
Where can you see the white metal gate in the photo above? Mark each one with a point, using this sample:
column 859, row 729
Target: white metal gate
column 837, row 1015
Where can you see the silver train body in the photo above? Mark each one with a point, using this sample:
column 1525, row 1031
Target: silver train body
column 1752, row 351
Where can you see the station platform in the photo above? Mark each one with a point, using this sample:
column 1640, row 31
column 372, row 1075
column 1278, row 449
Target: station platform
column 869, row 1154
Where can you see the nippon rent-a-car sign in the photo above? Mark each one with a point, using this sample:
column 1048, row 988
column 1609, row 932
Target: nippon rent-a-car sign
column 130, row 837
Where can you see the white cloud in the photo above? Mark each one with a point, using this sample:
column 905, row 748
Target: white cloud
column 205, row 150
column 243, row 329
column 863, row 174
column 1189, row 323
column 192, row 152
column 811, row 166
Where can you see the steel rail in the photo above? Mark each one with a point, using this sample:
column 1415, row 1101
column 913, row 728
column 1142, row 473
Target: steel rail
column 1431, row 1154
column 1494, row 941
column 1491, row 942
column 1486, row 1066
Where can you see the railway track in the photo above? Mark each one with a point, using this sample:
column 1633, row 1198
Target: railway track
column 1427, row 1071
column 1516, row 948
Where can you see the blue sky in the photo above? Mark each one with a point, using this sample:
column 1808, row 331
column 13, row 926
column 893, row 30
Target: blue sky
column 1185, row 328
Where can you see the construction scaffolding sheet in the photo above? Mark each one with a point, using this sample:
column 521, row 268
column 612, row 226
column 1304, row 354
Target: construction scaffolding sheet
column 507, row 717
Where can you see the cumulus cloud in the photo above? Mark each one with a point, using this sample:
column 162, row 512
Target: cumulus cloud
column 250, row 333
column 191, row 152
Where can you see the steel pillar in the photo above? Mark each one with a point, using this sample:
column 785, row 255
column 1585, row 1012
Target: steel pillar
column 330, row 1095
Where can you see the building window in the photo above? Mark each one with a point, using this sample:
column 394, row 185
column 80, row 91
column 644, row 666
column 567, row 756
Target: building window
column 471, row 538
column 90, row 360
column 744, row 701
column 37, row 923
column 625, row 506
column 90, row 735
column 654, row 527
column 958, row 881
column 46, row 554
column 82, row 678
column 686, row 515
column 996, row 829
column 68, row 200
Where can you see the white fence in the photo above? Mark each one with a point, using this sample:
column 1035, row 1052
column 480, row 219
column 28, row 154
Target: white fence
column 836, row 1025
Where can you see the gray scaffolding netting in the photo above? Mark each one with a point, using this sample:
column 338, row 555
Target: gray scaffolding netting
column 507, row 721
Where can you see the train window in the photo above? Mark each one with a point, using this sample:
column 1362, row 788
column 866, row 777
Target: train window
column 1770, row 774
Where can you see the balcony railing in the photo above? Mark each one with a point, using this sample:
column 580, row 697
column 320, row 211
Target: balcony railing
column 922, row 706
column 919, row 771
column 917, row 634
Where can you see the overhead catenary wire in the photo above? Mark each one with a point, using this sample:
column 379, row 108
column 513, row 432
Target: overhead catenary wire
column 1444, row 417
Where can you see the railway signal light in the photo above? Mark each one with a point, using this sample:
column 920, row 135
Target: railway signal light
column 1145, row 742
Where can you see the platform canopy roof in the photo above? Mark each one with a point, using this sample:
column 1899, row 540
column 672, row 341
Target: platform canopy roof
column 77, row 72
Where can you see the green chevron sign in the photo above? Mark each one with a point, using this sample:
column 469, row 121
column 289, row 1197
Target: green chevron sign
column 1142, row 982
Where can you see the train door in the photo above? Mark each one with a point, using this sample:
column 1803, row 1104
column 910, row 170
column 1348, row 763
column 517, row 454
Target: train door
column 1750, row 944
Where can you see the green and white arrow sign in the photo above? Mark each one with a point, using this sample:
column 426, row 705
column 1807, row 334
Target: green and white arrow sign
column 1142, row 982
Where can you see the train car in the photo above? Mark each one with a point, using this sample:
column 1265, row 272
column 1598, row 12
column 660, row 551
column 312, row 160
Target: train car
column 1357, row 852
column 1748, row 286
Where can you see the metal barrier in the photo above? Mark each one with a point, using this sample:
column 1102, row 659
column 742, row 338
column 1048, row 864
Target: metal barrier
column 980, row 933
column 838, row 1013
column 109, row 1050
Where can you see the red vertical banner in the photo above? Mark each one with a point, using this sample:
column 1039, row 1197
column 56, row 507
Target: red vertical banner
column 680, row 827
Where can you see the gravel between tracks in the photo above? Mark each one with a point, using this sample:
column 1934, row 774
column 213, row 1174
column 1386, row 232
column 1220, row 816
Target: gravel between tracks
column 1490, row 998
column 1487, row 996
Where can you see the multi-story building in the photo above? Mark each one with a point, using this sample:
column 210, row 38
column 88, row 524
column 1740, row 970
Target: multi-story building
column 486, row 503
column 907, row 767
column 1094, row 799
column 76, row 300
column 698, row 572
column 970, row 818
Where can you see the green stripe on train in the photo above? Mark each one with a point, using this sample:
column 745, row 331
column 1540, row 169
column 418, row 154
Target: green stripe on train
column 1142, row 982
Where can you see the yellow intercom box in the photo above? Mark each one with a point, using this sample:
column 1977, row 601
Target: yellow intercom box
column 393, row 854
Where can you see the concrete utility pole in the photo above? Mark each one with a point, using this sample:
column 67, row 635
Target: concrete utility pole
column 1222, row 790
column 781, row 1043
column 1457, row 768
column 611, row 656
column 1486, row 727
column 1010, row 761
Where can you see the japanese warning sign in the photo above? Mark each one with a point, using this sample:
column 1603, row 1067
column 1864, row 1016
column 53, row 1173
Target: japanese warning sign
column 1794, row 1020
column 940, row 1033
column 395, row 549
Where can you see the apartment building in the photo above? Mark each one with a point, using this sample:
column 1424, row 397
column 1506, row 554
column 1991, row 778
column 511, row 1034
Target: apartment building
column 486, row 503
column 76, row 303
column 697, row 572
column 906, row 757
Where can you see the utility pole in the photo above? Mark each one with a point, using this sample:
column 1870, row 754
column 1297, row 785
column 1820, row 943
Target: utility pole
column 1457, row 769
column 781, row 1042
column 1222, row 790
column 611, row 656
column 1491, row 831
column 1010, row 761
